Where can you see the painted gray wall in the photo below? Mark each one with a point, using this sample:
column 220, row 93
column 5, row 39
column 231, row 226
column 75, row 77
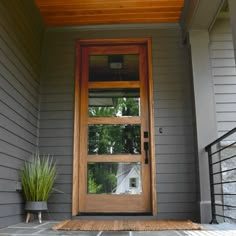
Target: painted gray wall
column 223, row 74
column 199, row 14
column 20, row 48
column 205, row 113
column 232, row 9
column 175, row 154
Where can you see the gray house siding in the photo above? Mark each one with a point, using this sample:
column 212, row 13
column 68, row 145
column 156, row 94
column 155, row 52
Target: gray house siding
column 175, row 155
column 20, row 48
column 223, row 74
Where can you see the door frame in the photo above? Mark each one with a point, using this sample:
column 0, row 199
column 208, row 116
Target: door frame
column 76, row 146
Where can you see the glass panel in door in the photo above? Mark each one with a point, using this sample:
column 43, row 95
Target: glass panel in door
column 114, row 67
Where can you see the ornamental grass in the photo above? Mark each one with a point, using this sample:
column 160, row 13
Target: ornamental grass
column 38, row 176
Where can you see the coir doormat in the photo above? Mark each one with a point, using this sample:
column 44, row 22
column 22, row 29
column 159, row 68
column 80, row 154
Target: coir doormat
column 126, row 225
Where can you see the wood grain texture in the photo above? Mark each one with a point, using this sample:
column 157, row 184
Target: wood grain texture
column 85, row 12
column 83, row 129
column 114, row 203
column 114, row 120
column 114, row 84
column 75, row 188
column 152, row 128
column 114, row 158
column 117, row 203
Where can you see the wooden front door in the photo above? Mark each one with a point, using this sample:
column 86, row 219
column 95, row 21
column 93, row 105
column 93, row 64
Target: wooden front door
column 114, row 162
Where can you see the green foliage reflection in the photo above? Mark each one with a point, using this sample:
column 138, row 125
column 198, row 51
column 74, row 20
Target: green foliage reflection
column 111, row 139
column 121, row 107
column 102, row 177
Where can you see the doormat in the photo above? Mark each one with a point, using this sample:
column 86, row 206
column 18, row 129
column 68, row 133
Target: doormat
column 126, row 225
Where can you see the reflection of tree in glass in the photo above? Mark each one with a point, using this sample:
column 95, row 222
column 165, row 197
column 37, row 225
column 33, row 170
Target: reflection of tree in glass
column 129, row 106
column 111, row 139
column 93, row 186
column 115, row 139
column 102, row 177
column 131, row 137
column 122, row 107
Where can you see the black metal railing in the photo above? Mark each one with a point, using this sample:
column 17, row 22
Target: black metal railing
column 222, row 170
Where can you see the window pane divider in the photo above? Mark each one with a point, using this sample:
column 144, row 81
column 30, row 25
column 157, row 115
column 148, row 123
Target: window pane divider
column 114, row 120
column 114, row 158
column 114, row 84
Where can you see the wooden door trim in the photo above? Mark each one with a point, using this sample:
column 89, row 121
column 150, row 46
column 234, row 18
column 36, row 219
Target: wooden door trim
column 75, row 183
column 116, row 49
column 76, row 146
column 116, row 158
column 113, row 120
column 152, row 128
column 114, row 84
column 128, row 199
column 107, row 42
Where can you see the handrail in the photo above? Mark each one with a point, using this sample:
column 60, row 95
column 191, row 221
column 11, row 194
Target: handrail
column 220, row 138
column 216, row 171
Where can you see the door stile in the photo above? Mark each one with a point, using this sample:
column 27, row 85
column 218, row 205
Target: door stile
column 151, row 127
column 83, row 128
column 76, row 146
column 145, row 120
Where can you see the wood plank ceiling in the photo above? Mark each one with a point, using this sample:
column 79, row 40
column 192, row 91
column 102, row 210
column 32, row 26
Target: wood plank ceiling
column 93, row 12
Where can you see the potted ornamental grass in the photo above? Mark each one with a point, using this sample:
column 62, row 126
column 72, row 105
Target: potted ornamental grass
column 37, row 177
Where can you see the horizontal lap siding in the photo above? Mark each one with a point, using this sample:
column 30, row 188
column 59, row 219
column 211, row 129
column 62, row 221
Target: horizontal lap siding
column 223, row 74
column 56, row 120
column 176, row 180
column 20, row 49
column 175, row 158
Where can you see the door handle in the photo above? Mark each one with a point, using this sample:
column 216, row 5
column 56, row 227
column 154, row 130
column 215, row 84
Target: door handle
column 146, row 147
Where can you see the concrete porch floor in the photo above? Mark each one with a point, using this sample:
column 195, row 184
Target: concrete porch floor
column 44, row 229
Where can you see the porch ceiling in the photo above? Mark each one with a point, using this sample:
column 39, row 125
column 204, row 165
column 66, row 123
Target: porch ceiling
column 91, row 12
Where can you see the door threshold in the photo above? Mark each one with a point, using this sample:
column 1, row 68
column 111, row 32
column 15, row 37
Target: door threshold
column 114, row 214
column 117, row 216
